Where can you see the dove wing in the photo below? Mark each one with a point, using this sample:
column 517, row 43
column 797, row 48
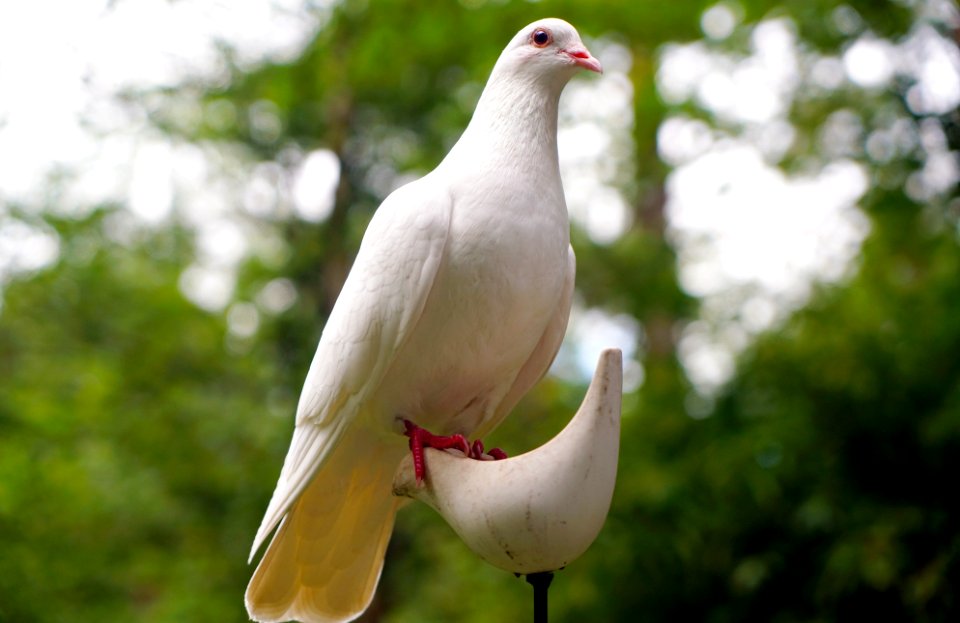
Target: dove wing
column 380, row 303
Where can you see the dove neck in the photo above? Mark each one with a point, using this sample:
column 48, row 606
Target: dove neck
column 515, row 122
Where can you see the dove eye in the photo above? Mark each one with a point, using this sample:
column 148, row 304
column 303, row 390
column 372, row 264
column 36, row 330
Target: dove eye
column 541, row 38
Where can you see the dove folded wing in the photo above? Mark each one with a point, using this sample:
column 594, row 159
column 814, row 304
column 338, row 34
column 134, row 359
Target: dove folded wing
column 378, row 307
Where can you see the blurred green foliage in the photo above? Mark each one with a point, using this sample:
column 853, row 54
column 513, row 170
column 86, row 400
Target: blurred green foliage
column 140, row 439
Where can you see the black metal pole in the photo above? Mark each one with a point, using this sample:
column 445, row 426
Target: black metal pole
column 540, row 583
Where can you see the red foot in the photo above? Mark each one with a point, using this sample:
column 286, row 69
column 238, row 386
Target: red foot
column 476, row 452
column 497, row 454
column 421, row 438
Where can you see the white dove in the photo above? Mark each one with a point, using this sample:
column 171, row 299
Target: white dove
column 455, row 306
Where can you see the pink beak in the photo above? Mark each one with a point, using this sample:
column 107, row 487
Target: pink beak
column 582, row 58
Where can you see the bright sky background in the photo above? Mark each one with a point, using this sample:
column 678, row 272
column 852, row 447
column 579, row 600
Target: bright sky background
column 750, row 239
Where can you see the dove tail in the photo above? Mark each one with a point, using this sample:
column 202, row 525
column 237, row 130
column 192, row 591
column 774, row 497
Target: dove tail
column 324, row 562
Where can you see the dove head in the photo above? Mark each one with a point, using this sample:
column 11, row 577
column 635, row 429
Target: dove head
column 518, row 106
column 548, row 49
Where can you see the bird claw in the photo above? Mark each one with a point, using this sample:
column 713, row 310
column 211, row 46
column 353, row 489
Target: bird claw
column 494, row 454
column 497, row 454
column 421, row 438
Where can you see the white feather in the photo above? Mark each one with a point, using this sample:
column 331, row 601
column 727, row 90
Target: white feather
column 455, row 306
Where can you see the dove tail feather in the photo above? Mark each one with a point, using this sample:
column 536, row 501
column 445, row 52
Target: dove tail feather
column 308, row 451
column 324, row 561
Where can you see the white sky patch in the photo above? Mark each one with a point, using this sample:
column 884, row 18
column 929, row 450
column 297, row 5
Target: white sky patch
column 941, row 170
column 751, row 241
column 105, row 177
column 277, row 296
column 221, row 242
column 682, row 139
column 150, row 193
column 53, row 70
column 739, row 221
column 719, row 21
column 708, row 361
column 753, row 89
column 937, row 69
column 869, row 62
column 243, row 319
column 263, row 194
column 25, row 248
column 825, row 73
column 592, row 331
column 314, row 185
column 206, row 287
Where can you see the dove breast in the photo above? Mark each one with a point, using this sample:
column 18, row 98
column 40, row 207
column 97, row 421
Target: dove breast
column 500, row 283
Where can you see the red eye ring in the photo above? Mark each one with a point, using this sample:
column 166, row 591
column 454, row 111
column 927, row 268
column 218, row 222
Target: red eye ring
column 541, row 38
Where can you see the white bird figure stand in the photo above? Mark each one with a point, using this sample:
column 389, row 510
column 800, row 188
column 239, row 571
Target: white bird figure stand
column 455, row 307
column 534, row 513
